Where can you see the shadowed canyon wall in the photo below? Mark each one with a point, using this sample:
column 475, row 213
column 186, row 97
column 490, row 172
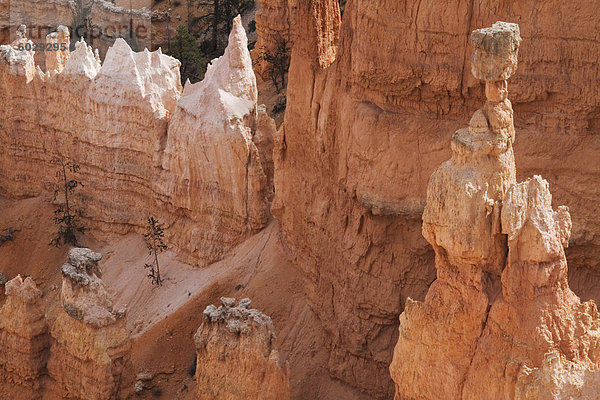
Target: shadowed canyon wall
column 363, row 133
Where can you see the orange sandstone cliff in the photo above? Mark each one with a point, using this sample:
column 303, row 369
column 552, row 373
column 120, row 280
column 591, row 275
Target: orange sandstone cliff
column 146, row 148
column 24, row 340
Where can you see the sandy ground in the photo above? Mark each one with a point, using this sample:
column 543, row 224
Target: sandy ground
column 163, row 320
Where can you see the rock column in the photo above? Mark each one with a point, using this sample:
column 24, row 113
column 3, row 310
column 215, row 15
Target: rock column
column 237, row 358
column 500, row 321
column 92, row 345
column 24, row 341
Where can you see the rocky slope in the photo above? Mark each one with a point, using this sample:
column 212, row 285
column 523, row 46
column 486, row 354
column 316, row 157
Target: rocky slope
column 125, row 123
column 237, row 355
column 362, row 134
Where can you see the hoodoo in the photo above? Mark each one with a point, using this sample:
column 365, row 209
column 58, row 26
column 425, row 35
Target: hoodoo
column 493, row 326
column 237, row 357
column 24, row 340
column 91, row 346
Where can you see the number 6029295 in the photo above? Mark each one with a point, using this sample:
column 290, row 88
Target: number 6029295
column 42, row 46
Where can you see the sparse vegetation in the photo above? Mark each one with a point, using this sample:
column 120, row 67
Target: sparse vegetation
column 65, row 216
column 186, row 50
column 280, row 105
column 278, row 61
column 154, row 241
column 82, row 20
column 217, row 22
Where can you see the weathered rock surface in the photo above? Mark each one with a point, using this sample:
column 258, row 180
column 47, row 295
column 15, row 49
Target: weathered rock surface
column 363, row 136
column 91, row 344
column 56, row 59
column 24, row 341
column 143, row 147
column 495, row 325
column 108, row 21
column 215, row 170
column 237, row 355
column 273, row 25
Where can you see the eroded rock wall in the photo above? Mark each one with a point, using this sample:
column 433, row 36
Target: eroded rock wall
column 273, row 25
column 214, row 169
column 24, row 341
column 237, row 355
column 143, row 147
column 110, row 22
column 363, row 134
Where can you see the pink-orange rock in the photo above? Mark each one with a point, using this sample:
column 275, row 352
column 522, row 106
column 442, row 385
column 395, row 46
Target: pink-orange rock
column 237, row 355
column 108, row 21
column 24, row 341
column 141, row 143
column 363, row 136
column 61, row 39
column 494, row 325
column 274, row 21
column 214, row 170
column 91, row 345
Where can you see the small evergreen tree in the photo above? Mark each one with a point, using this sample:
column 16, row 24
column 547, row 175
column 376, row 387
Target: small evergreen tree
column 65, row 216
column 81, row 26
column 185, row 49
column 217, row 21
column 278, row 63
column 154, row 241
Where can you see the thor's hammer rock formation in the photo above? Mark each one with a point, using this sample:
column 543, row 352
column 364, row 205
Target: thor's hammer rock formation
column 492, row 326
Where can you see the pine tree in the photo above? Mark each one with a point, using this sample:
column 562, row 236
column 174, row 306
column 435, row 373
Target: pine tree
column 186, row 50
column 278, row 63
column 65, row 216
column 154, row 241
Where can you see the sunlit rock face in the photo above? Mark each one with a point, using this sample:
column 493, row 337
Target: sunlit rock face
column 91, row 347
column 24, row 341
column 237, row 357
column 145, row 146
column 500, row 321
column 364, row 134
column 215, row 172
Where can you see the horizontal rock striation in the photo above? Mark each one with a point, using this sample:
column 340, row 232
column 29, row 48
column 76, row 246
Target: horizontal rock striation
column 24, row 341
column 237, row 355
column 109, row 22
column 143, row 147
